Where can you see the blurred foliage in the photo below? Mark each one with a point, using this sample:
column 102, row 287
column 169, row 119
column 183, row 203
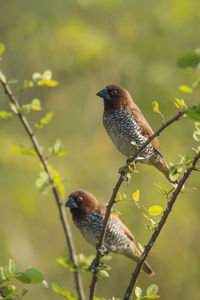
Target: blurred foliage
column 10, row 273
column 89, row 44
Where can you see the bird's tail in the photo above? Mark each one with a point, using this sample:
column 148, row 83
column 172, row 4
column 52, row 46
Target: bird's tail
column 162, row 166
column 146, row 267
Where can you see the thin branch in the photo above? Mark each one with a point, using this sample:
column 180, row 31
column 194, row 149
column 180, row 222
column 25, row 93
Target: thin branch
column 122, row 177
column 158, row 229
column 60, row 205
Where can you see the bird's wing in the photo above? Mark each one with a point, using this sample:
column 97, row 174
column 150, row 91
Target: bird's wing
column 145, row 127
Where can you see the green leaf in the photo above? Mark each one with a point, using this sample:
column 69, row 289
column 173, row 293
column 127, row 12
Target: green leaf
column 173, row 173
column 45, row 284
column 196, row 135
column 11, row 266
column 66, row 263
column 189, row 60
column 57, row 180
column 57, row 149
column 155, row 106
column 2, row 77
column 42, row 182
column 188, row 161
column 194, row 113
column 47, row 75
column 2, row 48
column 26, row 85
column 5, row 114
column 45, row 120
column 138, row 291
column 35, row 276
column 152, row 289
column 2, row 274
column 13, row 107
column 103, row 273
column 50, row 83
column 185, row 89
column 67, row 294
column 36, row 76
column 179, row 103
column 24, row 151
column 140, row 247
column 35, row 104
column 155, row 210
column 23, row 292
column 136, row 195
column 21, row 276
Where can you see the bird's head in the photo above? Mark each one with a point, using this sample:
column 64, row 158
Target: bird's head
column 81, row 202
column 115, row 97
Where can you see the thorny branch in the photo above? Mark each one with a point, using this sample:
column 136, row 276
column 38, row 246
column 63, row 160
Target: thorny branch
column 63, row 218
column 122, row 177
column 158, row 229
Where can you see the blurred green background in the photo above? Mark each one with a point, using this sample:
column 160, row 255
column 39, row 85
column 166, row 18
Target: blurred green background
column 89, row 44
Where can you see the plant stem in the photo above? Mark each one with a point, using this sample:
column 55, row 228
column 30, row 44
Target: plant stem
column 60, row 205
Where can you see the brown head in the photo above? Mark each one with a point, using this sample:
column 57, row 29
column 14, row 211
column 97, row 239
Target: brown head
column 82, row 202
column 115, row 98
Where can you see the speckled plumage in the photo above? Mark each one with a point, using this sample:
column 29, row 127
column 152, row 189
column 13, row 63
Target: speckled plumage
column 88, row 215
column 125, row 123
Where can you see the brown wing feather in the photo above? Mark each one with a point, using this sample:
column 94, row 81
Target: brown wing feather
column 145, row 127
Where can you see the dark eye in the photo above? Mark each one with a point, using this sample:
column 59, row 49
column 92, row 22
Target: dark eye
column 113, row 92
column 79, row 200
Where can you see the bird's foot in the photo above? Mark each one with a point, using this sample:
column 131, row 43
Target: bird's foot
column 103, row 250
column 92, row 265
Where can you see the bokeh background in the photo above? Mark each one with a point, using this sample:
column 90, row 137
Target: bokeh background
column 89, row 44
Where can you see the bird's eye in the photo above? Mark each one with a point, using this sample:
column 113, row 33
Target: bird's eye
column 79, row 199
column 113, row 92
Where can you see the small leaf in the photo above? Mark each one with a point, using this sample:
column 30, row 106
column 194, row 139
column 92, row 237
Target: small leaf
column 103, row 273
column 2, row 77
column 21, row 276
column 138, row 291
column 11, row 266
column 194, row 113
column 185, row 89
column 155, row 106
column 43, row 82
column 67, row 294
column 47, row 75
column 116, row 212
column 13, row 107
column 5, row 114
column 152, row 289
column 45, row 120
column 155, row 210
column 196, row 135
column 173, row 173
column 23, row 292
column 179, row 103
column 42, row 182
column 136, row 195
column 24, row 151
column 2, row 48
column 36, row 76
column 35, row 275
column 2, row 274
column 189, row 60
column 35, row 104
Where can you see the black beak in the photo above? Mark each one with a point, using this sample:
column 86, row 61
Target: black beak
column 71, row 203
column 104, row 94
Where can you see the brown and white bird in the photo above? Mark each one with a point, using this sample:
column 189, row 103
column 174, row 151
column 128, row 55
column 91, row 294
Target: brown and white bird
column 125, row 123
column 88, row 215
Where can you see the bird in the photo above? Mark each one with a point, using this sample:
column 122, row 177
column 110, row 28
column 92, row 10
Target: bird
column 88, row 215
column 128, row 128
